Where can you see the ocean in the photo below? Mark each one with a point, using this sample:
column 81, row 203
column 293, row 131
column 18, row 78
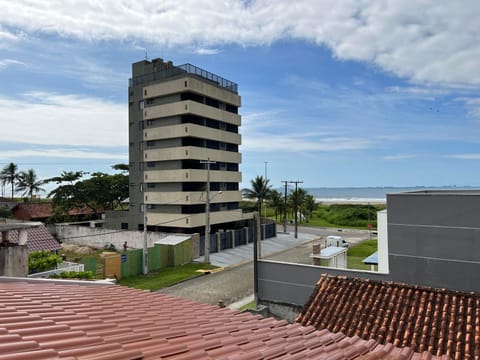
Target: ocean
column 365, row 194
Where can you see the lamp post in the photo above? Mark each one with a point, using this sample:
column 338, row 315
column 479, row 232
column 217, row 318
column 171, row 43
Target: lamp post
column 207, row 213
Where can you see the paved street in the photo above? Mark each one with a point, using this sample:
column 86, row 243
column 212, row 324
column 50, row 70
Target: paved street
column 235, row 282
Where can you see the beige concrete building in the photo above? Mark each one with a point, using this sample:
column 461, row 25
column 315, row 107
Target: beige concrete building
column 183, row 133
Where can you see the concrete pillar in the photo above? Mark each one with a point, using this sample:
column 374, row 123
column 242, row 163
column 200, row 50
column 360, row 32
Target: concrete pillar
column 219, row 237
column 22, row 236
column 233, row 238
column 246, row 233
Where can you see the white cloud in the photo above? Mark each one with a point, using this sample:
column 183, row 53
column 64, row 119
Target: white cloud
column 53, row 119
column 426, row 41
column 207, row 51
column 7, row 62
column 302, row 143
column 61, row 153
column 399, row 157
column 464, row 156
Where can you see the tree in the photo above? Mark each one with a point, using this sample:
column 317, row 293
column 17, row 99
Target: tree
column 310, row 205
column 9, row 175
column 297, row 200
column 260, row 190
column 29, row 183
column 276, row 201
column 99, row 192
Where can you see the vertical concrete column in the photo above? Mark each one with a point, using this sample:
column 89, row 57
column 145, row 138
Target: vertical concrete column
column 264, row 232
column 233, row 238
column 246, row 233
column 219, row 242
column 22, row 236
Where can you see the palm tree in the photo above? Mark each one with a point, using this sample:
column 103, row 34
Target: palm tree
column 29, row 183
column 310, row 205
column 297, row 200
column 260, row 191
column 9, row 175
column 276, row 201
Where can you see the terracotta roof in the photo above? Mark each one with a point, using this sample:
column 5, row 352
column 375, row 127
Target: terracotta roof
column 45, row 320
column 38, row 239
column 44, row 209
column 425, row 319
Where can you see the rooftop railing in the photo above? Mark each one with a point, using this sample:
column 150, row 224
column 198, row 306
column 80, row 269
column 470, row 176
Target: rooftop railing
column 174, row 71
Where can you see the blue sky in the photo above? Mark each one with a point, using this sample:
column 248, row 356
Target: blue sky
column 335, row 93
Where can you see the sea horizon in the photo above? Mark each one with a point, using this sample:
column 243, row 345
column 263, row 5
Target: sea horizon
column 370, row 194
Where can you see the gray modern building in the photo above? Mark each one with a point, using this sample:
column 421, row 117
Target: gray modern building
column 434, row 238
column 183, row 134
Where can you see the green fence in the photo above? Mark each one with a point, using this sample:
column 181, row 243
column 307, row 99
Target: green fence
column 90, row 264
column 132, row 262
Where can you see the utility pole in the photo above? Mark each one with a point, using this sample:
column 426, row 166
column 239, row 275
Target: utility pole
column 265, row 207
column 285, row 207
column 256, row 239
column 145, row 240
column 207, row 213
column 296, row 205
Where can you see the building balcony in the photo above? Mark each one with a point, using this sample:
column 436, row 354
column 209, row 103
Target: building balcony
column 191, row 130
column 191, row 175
column 190, row 198
column 194, row 85
column 192, row 152
column 190, row 107
column 193, row 220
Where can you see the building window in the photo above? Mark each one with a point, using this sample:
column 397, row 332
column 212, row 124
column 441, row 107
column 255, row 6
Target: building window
column 124, row 226
column 186, row 83
column 142, row 208
column 141, row 104
column 145, row 92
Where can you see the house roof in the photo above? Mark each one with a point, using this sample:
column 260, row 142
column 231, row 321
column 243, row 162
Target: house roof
column 38, row 239
column 65, row 320
column 41, row 210
column 425, row 319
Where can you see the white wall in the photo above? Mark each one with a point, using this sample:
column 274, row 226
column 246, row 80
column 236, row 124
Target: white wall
column 382, row 242
column 98, row 237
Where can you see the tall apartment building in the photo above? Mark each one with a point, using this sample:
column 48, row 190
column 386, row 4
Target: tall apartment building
column 183, row 134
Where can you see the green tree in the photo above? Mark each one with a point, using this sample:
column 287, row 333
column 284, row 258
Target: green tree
column 275, row 200
column 309, row 205
column 29, row 183
column 297, row 201
column 260, row 190
column 99, row 192
column 9, row 175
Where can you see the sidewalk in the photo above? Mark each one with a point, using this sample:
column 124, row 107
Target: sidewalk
column 244, row 253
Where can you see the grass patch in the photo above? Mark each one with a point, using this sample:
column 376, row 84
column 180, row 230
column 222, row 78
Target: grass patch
column 165, row 277
column 250, row 305
column 357, row 253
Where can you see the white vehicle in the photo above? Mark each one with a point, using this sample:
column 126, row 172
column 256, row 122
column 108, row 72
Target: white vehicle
column 336, row 241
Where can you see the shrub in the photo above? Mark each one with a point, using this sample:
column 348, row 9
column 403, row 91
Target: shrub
column 73, row 275
column 39, row 261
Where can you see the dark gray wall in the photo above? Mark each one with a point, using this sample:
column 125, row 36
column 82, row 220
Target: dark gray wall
column 294, row 283
column 434, row 239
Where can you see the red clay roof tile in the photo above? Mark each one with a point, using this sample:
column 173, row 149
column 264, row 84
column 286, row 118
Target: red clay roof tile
column 426, row 320
column 38, row 239
column 113, row 322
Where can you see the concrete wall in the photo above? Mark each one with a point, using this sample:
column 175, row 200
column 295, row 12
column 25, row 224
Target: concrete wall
column 98, row 237
column 434, row 239
column 14, row 261
column 289, row 283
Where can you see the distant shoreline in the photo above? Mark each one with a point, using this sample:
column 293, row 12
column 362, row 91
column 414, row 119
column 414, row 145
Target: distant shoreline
column 359, row 201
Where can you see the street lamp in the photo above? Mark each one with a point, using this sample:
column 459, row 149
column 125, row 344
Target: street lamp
column 207, row 213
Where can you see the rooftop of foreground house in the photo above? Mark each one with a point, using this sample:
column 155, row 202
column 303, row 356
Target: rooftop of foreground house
column 67, row 320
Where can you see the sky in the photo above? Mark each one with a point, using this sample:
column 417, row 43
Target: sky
column 349, row 93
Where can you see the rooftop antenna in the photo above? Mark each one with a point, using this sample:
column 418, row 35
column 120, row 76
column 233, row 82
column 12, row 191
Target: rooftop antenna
column 146, row 54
